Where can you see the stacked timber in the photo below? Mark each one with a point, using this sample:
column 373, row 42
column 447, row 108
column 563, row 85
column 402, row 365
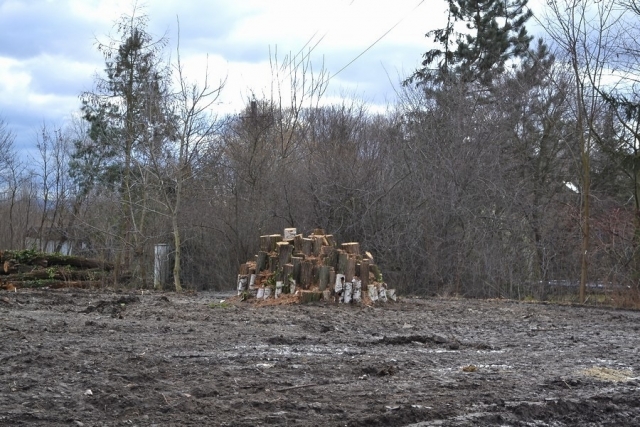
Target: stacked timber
column 312, row 268
column 30, row 268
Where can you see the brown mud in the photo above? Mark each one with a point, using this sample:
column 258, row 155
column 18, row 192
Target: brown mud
column 89, row 358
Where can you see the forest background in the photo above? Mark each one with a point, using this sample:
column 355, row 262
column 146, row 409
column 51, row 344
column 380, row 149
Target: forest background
column 509, row 167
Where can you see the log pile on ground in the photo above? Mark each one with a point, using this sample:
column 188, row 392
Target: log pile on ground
column 30, row 268
column 302, row 269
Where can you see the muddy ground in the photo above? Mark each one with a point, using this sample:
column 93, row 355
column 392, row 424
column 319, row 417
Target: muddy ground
column 88, row 358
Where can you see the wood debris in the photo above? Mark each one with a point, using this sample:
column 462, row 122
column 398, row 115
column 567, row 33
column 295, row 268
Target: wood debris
column 311, row 268
column 29, row 268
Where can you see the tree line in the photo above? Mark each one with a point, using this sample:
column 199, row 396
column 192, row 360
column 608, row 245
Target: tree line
column 506, row 166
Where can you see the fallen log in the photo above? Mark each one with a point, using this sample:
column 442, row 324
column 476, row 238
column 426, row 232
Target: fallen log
column 77, row 262
column 56, row 274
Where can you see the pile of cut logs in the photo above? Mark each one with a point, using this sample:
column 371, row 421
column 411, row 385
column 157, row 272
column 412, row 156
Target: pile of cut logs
column 312, row 268
column 35, row 269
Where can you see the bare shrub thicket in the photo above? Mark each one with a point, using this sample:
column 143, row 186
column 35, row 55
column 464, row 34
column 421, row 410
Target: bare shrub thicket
column 474, row 187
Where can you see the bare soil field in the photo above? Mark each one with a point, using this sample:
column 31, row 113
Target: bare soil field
column 102, row 358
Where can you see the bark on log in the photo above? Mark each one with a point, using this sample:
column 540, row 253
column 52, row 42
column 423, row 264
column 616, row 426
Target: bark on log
column 331, row 256
column 324, row 273
column 310, row 296
column 268, row 243
column 364, row 273
column 10, row 267
column 77, row 262
column 343, row 257
column 297, row 262
column 351, row 268
column 284, row 252
column 244, row 269
column 287, row 272
column 273, row 263
column 297, row 243
column 352, row 248
column 261, row 261
column 317, row 245
column 319, row 232
column 306, row 273
column 57, row 274
column 84, row 284
column 331, row 240
column 307, row 247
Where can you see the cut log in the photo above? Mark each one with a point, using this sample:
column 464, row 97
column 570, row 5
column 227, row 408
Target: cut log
column 364, row 273
column 310, row 296
column 73, row 261
column 319, row 232
column 289, row 234
column 323, row 280
column 59, row 274
column 10, row 267
column 352, row 248
column 261, row 261
column 351, row 268
column 244, row 269
column 273, row 263
column 343, row 258
column 297, row 243
column 307, row 246
column 268, row 243
column 317, row 245
column 331, row 240
column 284, row 252
column 296, row 261
column 306, row 274
column 330, row 256
column 287, row 272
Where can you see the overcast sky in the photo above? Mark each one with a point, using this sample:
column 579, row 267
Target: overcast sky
column 48, row 54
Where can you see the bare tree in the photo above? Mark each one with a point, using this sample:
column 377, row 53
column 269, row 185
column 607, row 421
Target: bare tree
column 194, row 130
column 585, row 33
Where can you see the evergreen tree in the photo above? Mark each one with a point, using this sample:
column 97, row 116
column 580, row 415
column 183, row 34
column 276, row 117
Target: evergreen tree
column 495, row 32
column 127, row 116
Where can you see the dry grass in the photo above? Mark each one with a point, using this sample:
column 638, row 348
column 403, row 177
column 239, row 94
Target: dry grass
column 608, row 374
